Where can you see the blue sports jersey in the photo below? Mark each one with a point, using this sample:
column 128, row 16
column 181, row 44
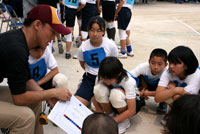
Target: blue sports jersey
column 38, row 70
column 94, row 57
column 74, row 3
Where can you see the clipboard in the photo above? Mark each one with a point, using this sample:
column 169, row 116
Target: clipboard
column 69, row 115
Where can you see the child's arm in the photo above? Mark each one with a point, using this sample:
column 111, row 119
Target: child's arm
column 98, row 6
column 81, row 7
column 82, row 63
column 118, row 9
column 129, row 112
column 49, row 76
column 162, row 93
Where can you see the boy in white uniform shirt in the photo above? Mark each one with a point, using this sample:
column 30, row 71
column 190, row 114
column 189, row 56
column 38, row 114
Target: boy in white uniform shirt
column 149, row 74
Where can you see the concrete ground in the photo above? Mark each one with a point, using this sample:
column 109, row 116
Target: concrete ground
column 156, row 24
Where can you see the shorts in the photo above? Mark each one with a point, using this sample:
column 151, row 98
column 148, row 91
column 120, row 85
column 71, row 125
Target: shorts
column 124, row 17
column 47, row 85
column 70, row 15
column 89, row 11
column 139, row 105
column 108, row 10
column 86, row 88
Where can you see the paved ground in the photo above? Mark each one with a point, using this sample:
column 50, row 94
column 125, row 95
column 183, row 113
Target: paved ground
column 157, row 24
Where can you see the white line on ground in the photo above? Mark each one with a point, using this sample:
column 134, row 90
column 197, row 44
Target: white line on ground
column 190, row 27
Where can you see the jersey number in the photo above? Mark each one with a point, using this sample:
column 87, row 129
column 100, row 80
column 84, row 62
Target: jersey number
column 95, row 59
column 73, row 1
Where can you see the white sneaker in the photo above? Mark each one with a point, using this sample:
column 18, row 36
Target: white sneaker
column 75, row 56
column 124, row 56
column 122, row 126
column 131, row 54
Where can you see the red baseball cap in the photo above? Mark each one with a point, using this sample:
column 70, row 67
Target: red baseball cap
column 50, row 15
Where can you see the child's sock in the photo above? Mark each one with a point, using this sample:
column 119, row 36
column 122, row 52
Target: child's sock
column 129, row 48
column 123, row 51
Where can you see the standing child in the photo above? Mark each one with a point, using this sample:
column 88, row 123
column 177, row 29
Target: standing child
column 149, row 74
column 183, row 73
column 117, row 89
column 70, row 10
column 91, row 9
column 90, row 55
column 108, row 12
column 123, row 15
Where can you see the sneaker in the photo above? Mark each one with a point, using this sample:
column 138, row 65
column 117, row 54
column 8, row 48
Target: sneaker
column 123, row 126
column 75, row 56
column 67, row 55
column 124, row 56
column 63, row 39
column 130, row 54
column 77, row 42
column 162, row 108
column 60, row 48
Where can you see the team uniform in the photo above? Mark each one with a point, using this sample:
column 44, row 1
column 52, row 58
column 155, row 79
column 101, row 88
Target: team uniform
column 123, row 21
column 151, row 79
column 90, row 10
column 108, row 13
column 92, row 56
column 116, row 97
column 191, row 83
column 124, row 16
column 70, row 10
column 40, row 67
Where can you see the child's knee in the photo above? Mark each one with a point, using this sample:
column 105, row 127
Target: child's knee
column 60, row 81
column 101, row 93
column 117, row 98
column 122, row 34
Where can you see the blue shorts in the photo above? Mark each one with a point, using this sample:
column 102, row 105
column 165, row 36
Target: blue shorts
column 86, row 88
column 89, row 11
column 124, row 17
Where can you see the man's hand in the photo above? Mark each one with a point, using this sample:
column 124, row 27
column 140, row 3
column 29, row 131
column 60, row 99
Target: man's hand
column 63, row 94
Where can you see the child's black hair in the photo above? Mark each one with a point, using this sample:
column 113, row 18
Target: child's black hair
column 184, row 118
column 99, row 123
column 184, row 54
column 110, row 68
column 98, row 20
column 159, row 52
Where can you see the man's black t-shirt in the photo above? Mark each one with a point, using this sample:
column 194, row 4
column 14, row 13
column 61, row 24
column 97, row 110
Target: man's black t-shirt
column 14, row 60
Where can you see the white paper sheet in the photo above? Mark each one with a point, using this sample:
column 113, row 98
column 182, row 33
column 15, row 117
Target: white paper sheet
column 75, row 111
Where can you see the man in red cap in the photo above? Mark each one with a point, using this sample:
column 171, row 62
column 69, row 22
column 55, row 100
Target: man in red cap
column 21, row 105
